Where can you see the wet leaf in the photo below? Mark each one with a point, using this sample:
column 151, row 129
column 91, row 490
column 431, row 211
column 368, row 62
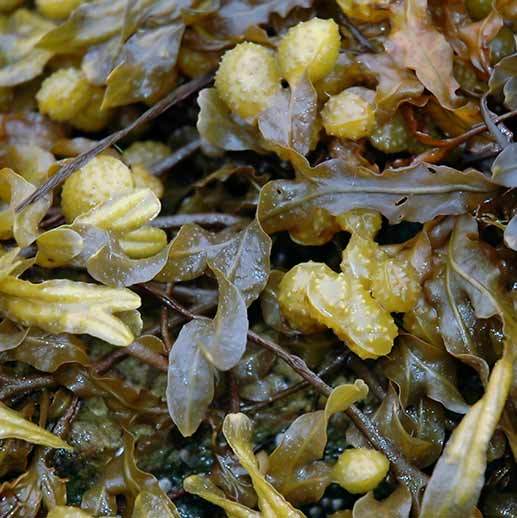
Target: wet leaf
column 61, row 305
column 504, row 168
column 423, row 369
column 111, row 266
column 303, row 443
column 237, row 429
column 190, row 382
column 395, row 85
column 202, row 486
column 23, row 226
column 459, row 473
column 14, row 426
column 503, row 81
column 96, row 241
column 243, row 257
column 415, row 193
column 419, row 437
column 122, row 476
column 396, row 505
column 290, row 119
column 510, row 234
column 144, row 65
column 219, row 128
column 38, row 487
column 149, row 505
column 11, row 336
column 202, row 345
column 49, row 352
column 19, row 36
column 416, row 44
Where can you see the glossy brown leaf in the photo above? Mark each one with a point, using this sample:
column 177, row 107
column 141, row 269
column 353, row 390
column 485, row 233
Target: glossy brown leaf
column 290, row 119
column 303, row 443
column 243, row 257
column 395, row 85
column 416, row 44
column 144, row 66
column 419, row 436
column 218, row 127
column 459, row 474
column 122, row 476
column 423, row 369
column 416, row 193
column 396, row 505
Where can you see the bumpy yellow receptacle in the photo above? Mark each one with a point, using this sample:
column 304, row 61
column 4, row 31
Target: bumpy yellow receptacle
column 292, row 299
column 350, row 114
column 311, row 47
column 101, row 179
column 247, row 78
column 360, row 470
column 63, row 94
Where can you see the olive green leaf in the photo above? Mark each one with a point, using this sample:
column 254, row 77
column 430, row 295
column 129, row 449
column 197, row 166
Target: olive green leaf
column 22, row 60
column 88, row 24
column 303, row 444
column 464, row 337
column 150, row 505
column 202, row 346
column 202, row 486
column 416, row 44
column 62, row 511
column 14, row 426
column 458, row 476
column 62, row 305
column 23, row 226
column 396, row 505
column 237, row 429
column 38, row 487
column 144, row 66
column 47, row 352
column 290, row 119
column 419, row 435
column 415, row 193
column 468, row 291
column 11, row 336
column 220, row 128
column 243, row 257
column 122, row 476
column 423, row 369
